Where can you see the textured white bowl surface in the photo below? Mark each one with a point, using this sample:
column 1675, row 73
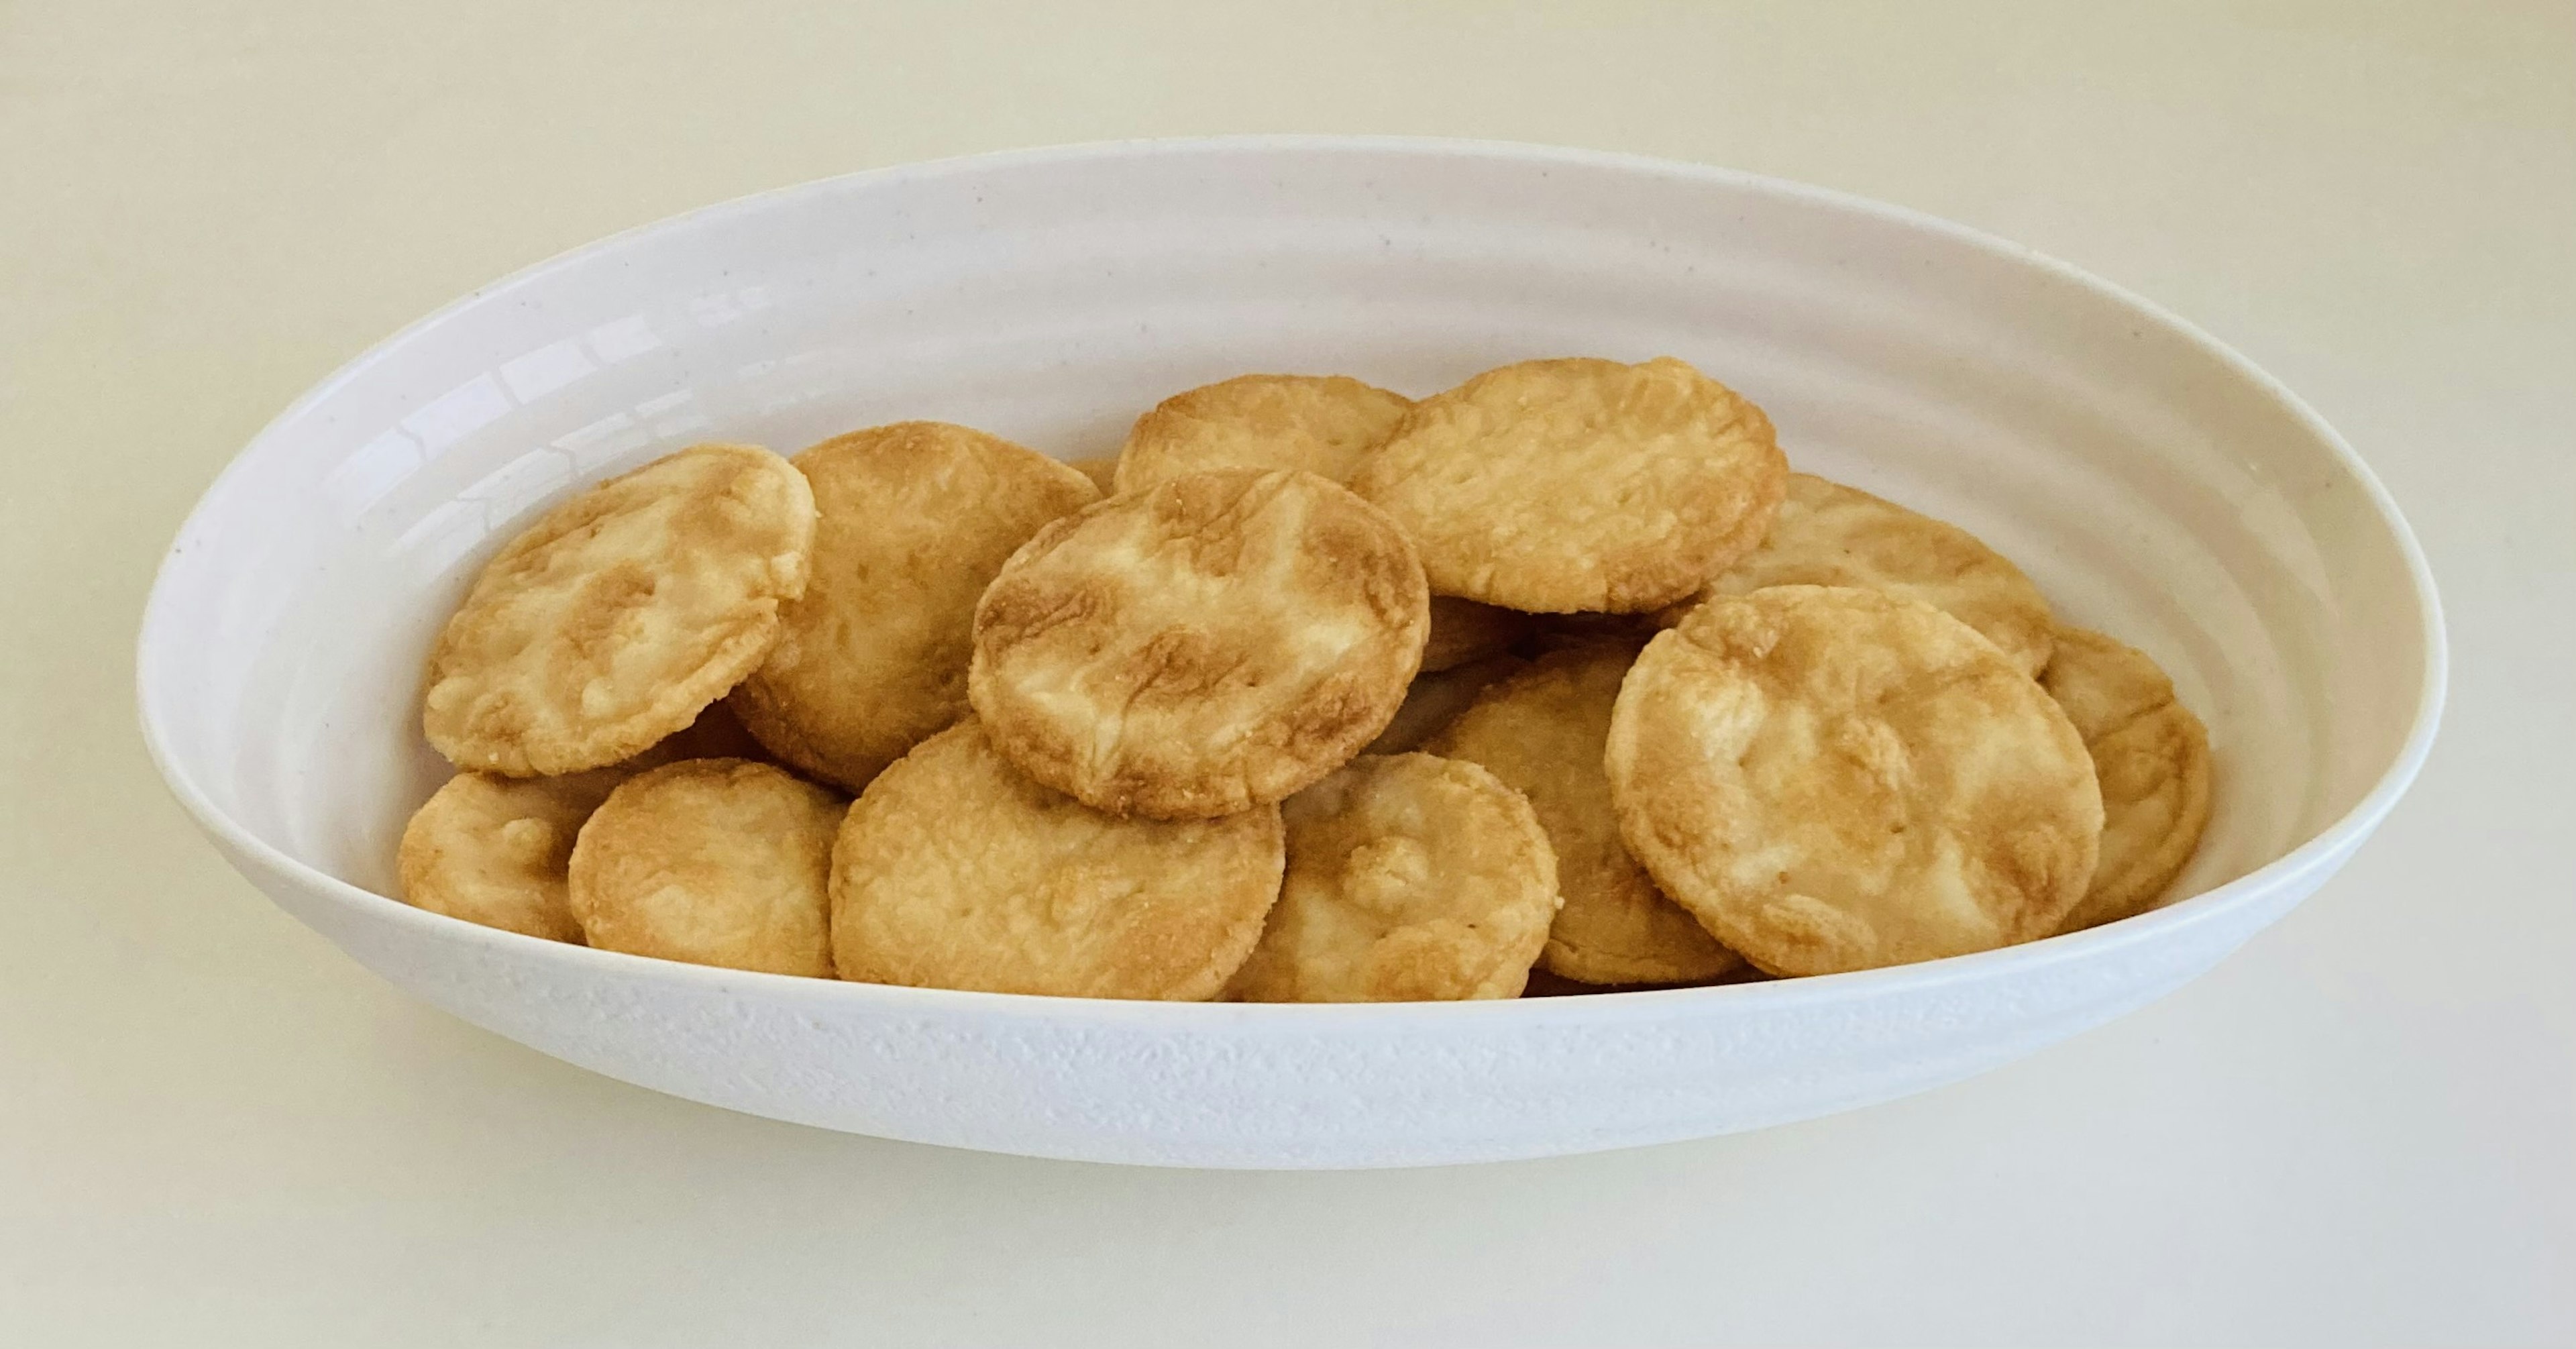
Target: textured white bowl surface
column 2156, row 485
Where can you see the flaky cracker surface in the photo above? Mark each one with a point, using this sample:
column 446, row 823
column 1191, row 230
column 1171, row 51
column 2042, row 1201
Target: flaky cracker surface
column 1324, row 424
column 1410, row 879
column 1578, row 484
column 1543, row 732
column 493, row 850
column 616, row 618
column 1832, row 535
column 711, row 861
column 2152, row 758
column 955, row 870
column 1837, row 779
column 916, row 518
column 1209, row 644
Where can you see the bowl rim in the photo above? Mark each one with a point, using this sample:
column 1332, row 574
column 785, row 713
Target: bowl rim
column 2316, row 856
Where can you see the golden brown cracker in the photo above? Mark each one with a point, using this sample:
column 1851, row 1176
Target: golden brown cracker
column 955, row 870
column 1463, row 631
column 1436, row 699
column 1543, row 732
column 714, row 862
column 1209, row 644
column 916, row 518
column 1410, row 879
column 2152, row 758
column 1832, row 535
column 1836, row 779
column 1565, row 485
column 493, row 850
column 1102, row 469
column 616, row 618
column 1324, row 424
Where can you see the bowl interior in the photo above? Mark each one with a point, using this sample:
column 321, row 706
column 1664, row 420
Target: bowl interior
column 2155, row 487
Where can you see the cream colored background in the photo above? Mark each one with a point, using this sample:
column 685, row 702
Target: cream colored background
column 216, row 1130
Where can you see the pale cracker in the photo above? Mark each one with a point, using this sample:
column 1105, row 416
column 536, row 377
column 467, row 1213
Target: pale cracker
column 2152, row 758
column 1837, row 779
column 617, row 617
column 1565, row 485
column 711, row 861
column 1543, row 732
column 954, row 870
column 1324, row 424
column 1410, row 879
column 1832, row 535
column 916, row 518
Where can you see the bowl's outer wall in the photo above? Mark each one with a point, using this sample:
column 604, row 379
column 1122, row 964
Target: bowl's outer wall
column 1239, row 1089
column 2154, row 485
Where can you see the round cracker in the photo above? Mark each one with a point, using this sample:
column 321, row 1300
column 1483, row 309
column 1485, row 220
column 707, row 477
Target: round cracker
column 2151, row 756
column 494, row 850
column 1543, row 732
column 1836, row 779
column 1830, row 535
column 1565, row 485
column 1410, row 879
column 1324, row 424
column 616, row 618
column 1463, row 631
column 1102, row 469
column 1210, row 644
column 1436, row 699
column 916, row 518
column 714, row 862
column 954, row 870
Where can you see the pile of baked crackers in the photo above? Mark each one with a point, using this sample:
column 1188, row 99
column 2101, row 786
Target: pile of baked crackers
column 1560, row 680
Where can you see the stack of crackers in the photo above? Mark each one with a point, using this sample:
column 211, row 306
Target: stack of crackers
column 1313, row 693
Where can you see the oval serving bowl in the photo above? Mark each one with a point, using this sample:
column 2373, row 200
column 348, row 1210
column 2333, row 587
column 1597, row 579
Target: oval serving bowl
column 2155, row 484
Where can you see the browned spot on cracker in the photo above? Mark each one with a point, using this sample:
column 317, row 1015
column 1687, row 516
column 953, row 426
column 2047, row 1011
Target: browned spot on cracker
column 620, row 614
column 916, row 519
column 1832, row 778
column 1409, row 878
column 1211, row 643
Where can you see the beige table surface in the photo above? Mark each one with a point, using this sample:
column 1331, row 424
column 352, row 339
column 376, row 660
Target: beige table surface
column 216, row 1130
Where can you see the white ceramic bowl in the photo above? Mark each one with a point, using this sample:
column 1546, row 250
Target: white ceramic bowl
column 2155, row 484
